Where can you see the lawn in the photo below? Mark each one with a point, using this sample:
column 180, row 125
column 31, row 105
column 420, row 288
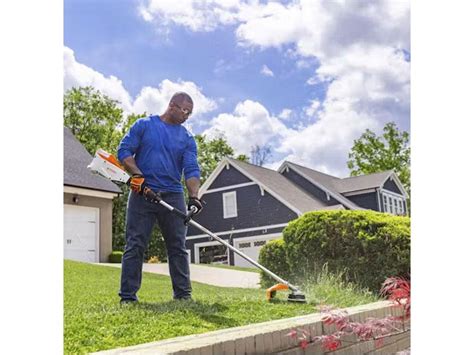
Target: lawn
column 94, row 320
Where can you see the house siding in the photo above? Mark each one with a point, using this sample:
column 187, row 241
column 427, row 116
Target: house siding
column 391, row 186
column 368, row 200
column 230, row 237
column 253, row 209
column 309, row 187
column 229, row 177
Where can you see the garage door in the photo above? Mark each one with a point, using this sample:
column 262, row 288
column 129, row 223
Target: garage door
column 251, row 247
column 81, row 233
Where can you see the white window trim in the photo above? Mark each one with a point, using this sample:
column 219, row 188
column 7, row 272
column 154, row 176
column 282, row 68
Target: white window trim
column 236, row 231
column 231, row 187
column 396, row 199
column 224, row 195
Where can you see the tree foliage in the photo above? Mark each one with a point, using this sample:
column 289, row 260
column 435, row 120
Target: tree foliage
column 211, row 152
column 92, row 118
column 373, row 154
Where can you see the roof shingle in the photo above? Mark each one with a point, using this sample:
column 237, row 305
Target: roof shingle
column 76, row 159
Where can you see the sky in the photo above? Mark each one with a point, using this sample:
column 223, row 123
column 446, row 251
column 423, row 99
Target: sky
column 305, row 78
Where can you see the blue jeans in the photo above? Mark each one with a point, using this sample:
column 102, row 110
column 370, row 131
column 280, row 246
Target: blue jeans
column 141, row 217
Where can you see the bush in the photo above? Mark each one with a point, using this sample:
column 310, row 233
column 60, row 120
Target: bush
column 273, row 257
column 115, row 257
column 366, row 246
column 370, row 245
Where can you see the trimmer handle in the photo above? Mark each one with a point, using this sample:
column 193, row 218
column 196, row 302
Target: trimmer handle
column 191, row 212
column 156, row 198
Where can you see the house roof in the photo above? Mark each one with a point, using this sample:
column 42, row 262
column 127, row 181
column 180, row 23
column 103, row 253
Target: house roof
column 349, row 184
column 76, row 159
column 355, row 183
column 328, row 182
column 281, row 186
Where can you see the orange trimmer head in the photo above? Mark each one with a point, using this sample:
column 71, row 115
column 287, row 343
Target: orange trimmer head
column 295, row 295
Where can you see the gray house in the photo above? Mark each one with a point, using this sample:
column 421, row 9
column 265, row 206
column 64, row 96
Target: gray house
column 87, row 206
column 248, row 205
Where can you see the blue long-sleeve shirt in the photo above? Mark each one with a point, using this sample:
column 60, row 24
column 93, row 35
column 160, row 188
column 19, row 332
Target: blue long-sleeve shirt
column 162, row 151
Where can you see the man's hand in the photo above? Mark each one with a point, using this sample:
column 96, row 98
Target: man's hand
column 194, row 201
column 137, row 183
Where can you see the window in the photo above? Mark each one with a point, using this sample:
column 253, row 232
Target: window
column 229, row 201
column 393, row 204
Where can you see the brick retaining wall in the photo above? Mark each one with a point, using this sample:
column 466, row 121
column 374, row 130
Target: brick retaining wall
column 270, row 337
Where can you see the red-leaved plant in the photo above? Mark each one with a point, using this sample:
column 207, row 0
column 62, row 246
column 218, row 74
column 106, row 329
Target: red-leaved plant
column 396, row 289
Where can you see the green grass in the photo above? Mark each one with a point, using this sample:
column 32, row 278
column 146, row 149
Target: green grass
column 333, row 289
column 94, row 320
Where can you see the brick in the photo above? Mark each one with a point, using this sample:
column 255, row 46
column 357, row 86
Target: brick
column 239, row 346
column 403, row 344
column 218, row 348
column 259, row 345
column 276, row 341
column 229, row 347
column 313, row 349
column 207, row 350
column 267, row 343
column 250, row 345
column 316, row 329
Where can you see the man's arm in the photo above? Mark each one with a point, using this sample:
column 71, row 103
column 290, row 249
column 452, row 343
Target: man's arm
column 131, row 166
column 192, row 184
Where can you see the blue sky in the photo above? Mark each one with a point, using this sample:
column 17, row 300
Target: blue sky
column 304, row 77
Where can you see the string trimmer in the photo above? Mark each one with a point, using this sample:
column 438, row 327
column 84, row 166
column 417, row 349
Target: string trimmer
column 109, row 167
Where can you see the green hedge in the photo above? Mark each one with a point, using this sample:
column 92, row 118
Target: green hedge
column 369, row 246
column 273, row 256
column 115, row 257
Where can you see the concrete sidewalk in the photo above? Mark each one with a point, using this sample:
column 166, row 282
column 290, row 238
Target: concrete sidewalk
column 208, row 275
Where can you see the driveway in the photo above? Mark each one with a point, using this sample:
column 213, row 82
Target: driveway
column 208, row 275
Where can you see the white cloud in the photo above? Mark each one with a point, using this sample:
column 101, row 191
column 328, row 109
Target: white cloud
column 150, row 99
column 249, row 124
column 266, row 71
column 155, row 100
column 313, row 108
column 357, row 45
column 193, row 14
column 77, row 74
column 285, row 114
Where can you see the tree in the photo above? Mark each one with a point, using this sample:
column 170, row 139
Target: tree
column 372, row 154
column 259, row 155
column 93, row 118
column 211, row 152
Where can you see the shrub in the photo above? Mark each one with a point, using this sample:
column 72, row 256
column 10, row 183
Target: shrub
column 370, row 246
column 273, row 257
column 115, row 257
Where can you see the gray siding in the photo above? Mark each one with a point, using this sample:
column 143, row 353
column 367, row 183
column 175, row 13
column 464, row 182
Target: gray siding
column 368, row 200
column 391, row 186
column 253, row 209
column 229, row 177
column 229, row 238
column 309, row 188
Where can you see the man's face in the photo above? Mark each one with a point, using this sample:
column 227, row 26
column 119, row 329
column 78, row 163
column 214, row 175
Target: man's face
column 181, row 111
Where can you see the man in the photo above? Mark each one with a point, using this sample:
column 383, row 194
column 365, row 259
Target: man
column 156, row 151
